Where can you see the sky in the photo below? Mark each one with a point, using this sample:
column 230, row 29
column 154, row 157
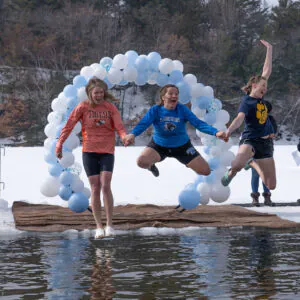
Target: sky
column 24, row 170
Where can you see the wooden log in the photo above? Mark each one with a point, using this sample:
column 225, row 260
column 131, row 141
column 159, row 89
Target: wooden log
column 51, row 218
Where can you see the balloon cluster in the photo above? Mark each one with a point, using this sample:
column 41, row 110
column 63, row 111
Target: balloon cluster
column 64, row 174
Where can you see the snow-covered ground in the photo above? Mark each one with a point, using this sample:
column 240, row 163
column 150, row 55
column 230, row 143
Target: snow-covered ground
column 24, row 169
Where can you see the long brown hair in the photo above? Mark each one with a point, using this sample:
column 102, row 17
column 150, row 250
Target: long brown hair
column 96, row 82
column 254, row 79
column 163, row 91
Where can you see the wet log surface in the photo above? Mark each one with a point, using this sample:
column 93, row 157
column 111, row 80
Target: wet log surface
column 51, row 218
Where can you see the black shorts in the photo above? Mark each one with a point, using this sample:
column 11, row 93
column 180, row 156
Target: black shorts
column 184, row 153
column 94, row 163
column 262, row 148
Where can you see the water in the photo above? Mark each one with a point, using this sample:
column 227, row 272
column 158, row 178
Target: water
column 153, row 263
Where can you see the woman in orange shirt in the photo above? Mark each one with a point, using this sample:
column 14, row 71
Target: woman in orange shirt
column 99, row 119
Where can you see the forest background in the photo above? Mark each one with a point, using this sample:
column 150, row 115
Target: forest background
column 45, row 43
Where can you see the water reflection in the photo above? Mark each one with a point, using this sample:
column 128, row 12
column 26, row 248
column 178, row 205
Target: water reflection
column 102, row 284
column 201, row 264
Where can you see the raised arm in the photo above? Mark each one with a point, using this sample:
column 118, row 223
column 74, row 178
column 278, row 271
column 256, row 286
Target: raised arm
column 267, row 69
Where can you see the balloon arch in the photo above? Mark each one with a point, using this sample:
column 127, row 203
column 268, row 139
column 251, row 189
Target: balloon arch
column 64, row 179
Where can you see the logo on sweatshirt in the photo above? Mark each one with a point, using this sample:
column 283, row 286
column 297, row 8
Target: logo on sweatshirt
column 100, row 122
column 170, row 126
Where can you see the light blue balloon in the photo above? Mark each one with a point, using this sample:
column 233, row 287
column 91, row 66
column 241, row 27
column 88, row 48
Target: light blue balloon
column 203, row 102
column 214, row 163
column 210, row 118
column 183, row 87
column 109, row 84
column 123, row 82
column 66, row 178
column 50, row 157
column 65, row 192
column 176, row 76
column 189, row 198
column 70, row 91
column 55, row 169
column 184, row 98
column 131, row 56
column 141, row 63
column 206, row 149
column 141, row 78
column 106, row 63
column 211, row 178
column 218, row 104
column 79, row 81
column 199, row 179
column 78, row 202
column 162, row 79
column 72, row 102
column 154, row 58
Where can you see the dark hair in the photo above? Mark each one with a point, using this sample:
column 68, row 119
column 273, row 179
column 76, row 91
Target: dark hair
column 269, row 106
column 163, row 91
column 254, row 79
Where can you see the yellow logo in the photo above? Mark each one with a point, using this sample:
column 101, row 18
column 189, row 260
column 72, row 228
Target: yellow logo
column 261, row 113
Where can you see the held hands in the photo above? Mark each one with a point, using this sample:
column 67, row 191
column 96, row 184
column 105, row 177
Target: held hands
column 222, row 135
column 128, row 139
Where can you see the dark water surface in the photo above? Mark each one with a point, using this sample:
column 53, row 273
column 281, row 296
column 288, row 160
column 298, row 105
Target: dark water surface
column 184, row 264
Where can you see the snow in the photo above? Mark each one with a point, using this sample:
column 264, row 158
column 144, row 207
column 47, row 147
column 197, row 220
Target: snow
column 24, row 170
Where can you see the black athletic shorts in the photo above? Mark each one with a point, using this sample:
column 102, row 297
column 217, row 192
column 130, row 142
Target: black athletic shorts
column 262, row 148
column 184, row 153
column 94, row 163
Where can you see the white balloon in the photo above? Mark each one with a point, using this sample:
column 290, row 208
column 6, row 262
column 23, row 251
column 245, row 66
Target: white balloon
column 72, row 141
column 130, row 74
column 48, row 142
column 77, row 185
column 67, row 160
column 178, row 65
column 215, row 151
column 223, row 116
column 77, row 128
column 81, row 94
column 166, row 66
column 120, row 61
column 100, row 72
column 50, row 187
column 191, row 79
column 208, row 91
column 226, row 158
column 200, row 113
column 114, row 75
column 220, row 126
column 59, row 105
column 196, row 90
column 204, row 189
column 87, row 72
column 50, row 130
column 86, row 192
column 219, row 193
column 54, row 117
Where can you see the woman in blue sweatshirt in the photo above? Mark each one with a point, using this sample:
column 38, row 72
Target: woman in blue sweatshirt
column 170, row 138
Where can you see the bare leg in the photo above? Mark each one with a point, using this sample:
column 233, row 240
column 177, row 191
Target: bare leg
column 147, row 158
column 95, row 197
column 199, row 165
column 266, row 169
column 244, row 154
column 105, row 178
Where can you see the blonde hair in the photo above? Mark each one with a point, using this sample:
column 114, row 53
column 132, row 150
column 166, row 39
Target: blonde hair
column 254, row 79
column 163, row 91
column 95, row 82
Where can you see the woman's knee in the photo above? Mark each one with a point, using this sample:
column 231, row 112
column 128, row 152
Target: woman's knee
column 143, row 162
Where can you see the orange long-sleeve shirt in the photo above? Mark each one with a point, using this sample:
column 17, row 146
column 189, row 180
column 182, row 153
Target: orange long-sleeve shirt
column 99, row 124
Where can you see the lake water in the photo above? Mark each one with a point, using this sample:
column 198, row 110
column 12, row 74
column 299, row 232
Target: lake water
column 230, row 263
